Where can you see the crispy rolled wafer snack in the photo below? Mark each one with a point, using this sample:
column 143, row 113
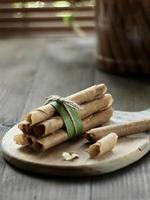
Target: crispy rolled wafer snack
column 44, row 112
column 87, row 109
column 104, row 145
column 61, row 135
column 21, row 139
column 121, row 129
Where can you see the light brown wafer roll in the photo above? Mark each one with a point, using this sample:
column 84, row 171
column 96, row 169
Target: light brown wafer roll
column 61, row 136
column 21, row 139
column 55, row 123
column 44, row 112
column 121, row 129
column 104, row 145
column 24, row 126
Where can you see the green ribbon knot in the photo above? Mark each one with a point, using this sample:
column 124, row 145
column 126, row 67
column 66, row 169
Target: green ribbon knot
column 69, row 114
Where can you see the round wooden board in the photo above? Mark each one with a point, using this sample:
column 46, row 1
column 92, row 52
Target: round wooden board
column 128, row 150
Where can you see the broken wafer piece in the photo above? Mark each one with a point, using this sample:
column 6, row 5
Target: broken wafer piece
column 21, row 139
column 69, row 156
column 103, row 145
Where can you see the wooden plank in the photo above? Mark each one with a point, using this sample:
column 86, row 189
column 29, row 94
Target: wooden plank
column 45, row 24
column 61, row 75
column 45, row 14
column 21, row 21
column 42, row 19
column 64, row 75
column 46, row 9
column 128, row 93
column 31, row 30
column 106, row 187
column 3, row 130
column 18, row 61
column 26, row 1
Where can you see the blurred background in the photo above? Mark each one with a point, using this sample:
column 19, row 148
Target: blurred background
column 46, row 16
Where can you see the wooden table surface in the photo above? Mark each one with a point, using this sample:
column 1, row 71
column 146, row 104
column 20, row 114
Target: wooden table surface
column 33, row 68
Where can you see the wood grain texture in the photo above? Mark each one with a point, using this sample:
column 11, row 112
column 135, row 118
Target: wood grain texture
column 64, row 65
column 18, row 65
column 130, row 94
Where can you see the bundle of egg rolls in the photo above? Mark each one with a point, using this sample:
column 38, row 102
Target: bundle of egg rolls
column 43, row 128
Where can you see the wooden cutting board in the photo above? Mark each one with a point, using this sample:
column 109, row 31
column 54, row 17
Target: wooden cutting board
column 128, row 150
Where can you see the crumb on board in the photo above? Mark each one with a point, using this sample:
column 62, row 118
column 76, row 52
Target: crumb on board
column 69, row 156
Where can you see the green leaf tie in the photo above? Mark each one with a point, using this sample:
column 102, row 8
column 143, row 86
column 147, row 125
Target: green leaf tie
column 68, row 110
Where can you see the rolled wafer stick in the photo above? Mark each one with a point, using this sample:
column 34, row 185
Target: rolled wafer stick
column 121, row 129
column 61, row 136
column 21, row 139
column 55, row 123
column 104, row 145
column 44, row 112
column 24, row 126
